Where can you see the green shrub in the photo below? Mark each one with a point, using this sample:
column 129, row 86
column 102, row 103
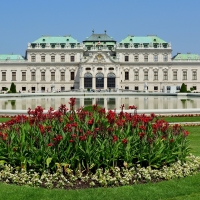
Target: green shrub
column 183, row 88
column 13, row 88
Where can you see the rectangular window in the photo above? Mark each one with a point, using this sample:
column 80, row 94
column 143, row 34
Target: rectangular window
column 62, row 76
column 33, row 59
column 136, row 88
column 194, row 75
column 126, row 58
column 3, row 76
column 32, row 76
column 195, row 87
column 155, row 58
column 184, row 75
column 136, row 76
column 72, row 58
column 23, row 76
column 155, row 87
column 145, row 76
column 62, row 88
column 23, row 88
column 165, row 75
column 42, row 58
column 126, row 75
column 155, row 75
column 72, row 76
column 165, row 58
column 126, row 88
column 52, row 76
column 13, row 76
column 174, row 75
column 62, row 58
column 52, row 58
column 42, row 76
column 136, row 59
column 145, row 58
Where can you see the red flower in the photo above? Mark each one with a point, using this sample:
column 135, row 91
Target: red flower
column 71, row 141
column 115, row 138
column 185, row 133
column 142, row 134
column 91, row 121
column 124, row 141
column 132, row 107
column 50, row 144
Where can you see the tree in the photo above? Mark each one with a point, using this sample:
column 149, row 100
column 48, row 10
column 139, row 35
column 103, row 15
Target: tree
column 183, row 88
column 13, row 88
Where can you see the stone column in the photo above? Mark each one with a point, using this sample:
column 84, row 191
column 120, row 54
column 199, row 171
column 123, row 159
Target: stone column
column 93, row 83
column 105, row 82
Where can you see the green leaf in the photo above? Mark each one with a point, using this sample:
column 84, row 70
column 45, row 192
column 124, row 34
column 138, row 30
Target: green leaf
column 48, row 161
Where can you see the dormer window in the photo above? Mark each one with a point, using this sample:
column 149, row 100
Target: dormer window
column 67, row 40
column 43, row 40
column 131, row 40
column 154, row 40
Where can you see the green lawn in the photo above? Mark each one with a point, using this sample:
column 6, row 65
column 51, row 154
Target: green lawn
column 184, row 188
column 4, row 120
column 181, row 119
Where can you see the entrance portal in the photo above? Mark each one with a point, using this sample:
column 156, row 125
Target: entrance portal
column 111, row 80
column 99, row 81
column 88, row 80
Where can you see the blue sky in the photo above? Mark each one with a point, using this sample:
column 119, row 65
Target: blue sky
column 175, row 21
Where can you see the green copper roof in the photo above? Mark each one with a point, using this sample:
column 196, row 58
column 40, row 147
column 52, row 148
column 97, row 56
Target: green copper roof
column 55, row 40
column 187, row 56
column 142, row 40
column 99, row 37
column 11, row 57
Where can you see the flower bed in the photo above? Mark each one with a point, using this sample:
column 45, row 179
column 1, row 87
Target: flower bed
column 90, row 143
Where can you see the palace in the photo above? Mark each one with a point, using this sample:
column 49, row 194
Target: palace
column 99, row 62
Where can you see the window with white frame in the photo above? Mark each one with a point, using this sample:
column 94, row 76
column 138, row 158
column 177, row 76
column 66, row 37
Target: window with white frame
column 62, row 58
column 184, row 75
column 72, row 76
column 155, row 58
column 62, row 76
column 194, row 75
column 33, row 58
column 174, row 75
column 145, row 58
column 52, row 76
column 126, row 76
column 136, row 76
column 126, row 58
column 155, row 75
column 23, row 76
column 13, row 76
column 165, row 58
column 53, row 59
column 145, row 75
column 32, row 76
column 165, row 75
column 42, row 58
column 72, row 58
column 136, row 58
column 42, row 76
column 3, row 76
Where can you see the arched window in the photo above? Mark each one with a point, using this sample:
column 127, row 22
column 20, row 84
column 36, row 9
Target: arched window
column 99, row 80
column 87, row 80
column 111, row 80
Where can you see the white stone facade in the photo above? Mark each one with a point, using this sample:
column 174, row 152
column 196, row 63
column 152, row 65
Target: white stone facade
column 60, row 69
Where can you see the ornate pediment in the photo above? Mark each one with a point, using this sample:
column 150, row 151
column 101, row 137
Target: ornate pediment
column 98, row 57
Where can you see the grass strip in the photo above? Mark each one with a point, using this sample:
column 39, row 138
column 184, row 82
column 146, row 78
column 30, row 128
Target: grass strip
column 183, row 188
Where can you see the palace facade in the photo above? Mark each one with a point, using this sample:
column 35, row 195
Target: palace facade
column 99, row 62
